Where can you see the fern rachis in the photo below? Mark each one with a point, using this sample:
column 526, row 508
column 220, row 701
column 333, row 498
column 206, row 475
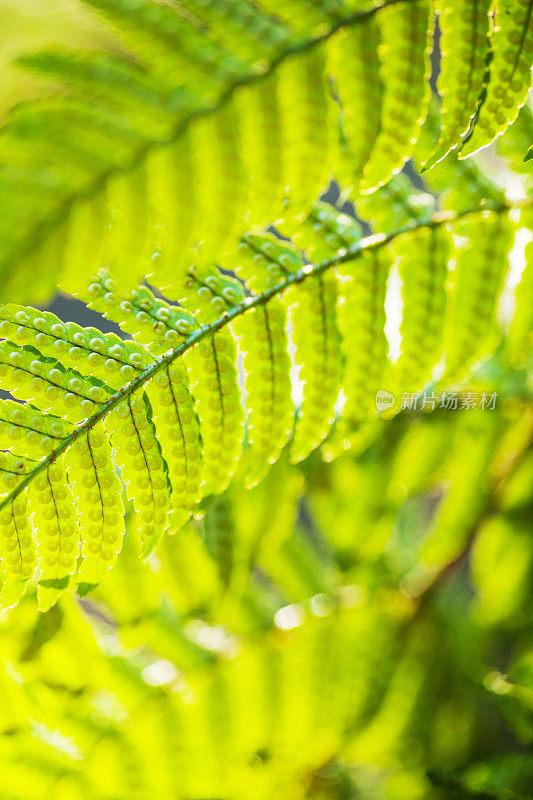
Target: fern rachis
column 151, row 419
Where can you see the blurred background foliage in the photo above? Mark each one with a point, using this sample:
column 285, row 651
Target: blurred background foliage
column 354, row 627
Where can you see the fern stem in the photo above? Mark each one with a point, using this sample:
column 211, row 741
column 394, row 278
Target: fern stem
column 365, row 245
column 181, row 127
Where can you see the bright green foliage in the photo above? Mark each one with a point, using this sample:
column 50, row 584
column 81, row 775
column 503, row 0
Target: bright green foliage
column 509, row 76
column 138, row 454
column 317, row 353
column 25, row 428
column 55, row 522
column 17, row 543
column 464, row 47
column 179, row 436
column 471, row 450
column 178, row 425
column 212, row 372
column 219, row 409
column 150, row 320
column 228, row 112
column 395, row 204
column 333, row 599
column 423, row 270
column 479, row 273
column 515, row 145
column 96, row 487
column 103, row 356
column 355, row 688
column 47, row 384
column 307, row 130
column 362, row 324
column 520, row 333
column 268, row 386
column 219, row 531
column 402, row 52
column 263, row 260
column 261, row 144
column 353, row 55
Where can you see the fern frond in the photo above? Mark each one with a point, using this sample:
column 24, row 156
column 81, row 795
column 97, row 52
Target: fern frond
column 479, row 273
column 112, row 82
column 362, row 325
column 97, row 489
column 138, row 454
column 353, row 59
column 305, row 112
column 101, row 355
column 456, row 513
column 228, row 112
column 30, row 376
column 464, row 48
column 178, row 432
column 27, row 428
column 172, row 43
column 170, row 408
column 458, row 183
column 268, row 386
column 405, row 40
column 304, row 17
column 55, row 522
column 423, row 269
column 16, row 540
column 319, row 356
column 509, row 74
column 395, row 204
column 219, row 531
column 114, row 166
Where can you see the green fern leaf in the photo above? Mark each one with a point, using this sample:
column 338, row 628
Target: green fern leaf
column 423, row 269
column 55, row 522
column 151, row 321
column 268, row 387
column 305, row 113
column 464, row 25
column 173, row 408
column 318, row 354
column 220, row 535
column 325, row 232
column 178, row 432
column 404, row 75
column 97, row 489
column 509, row 76
column 31, row 376
column 353, row 59
column 16, row 539
column 26, row 428
column 362, row 324
column 362, row 309
column 261, row 145
column 395, row 204
column 111, row 82
column 249, row 32
column 478, row 278
column 138, row 454
column 88, row 350
column 171, row 44
column 211, row 366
